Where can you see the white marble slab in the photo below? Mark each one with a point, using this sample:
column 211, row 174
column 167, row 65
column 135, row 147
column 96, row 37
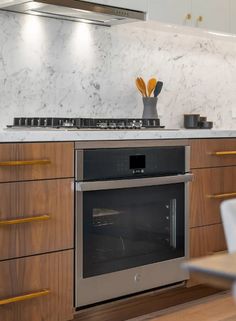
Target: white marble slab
column 14, row 135
column 59, row 68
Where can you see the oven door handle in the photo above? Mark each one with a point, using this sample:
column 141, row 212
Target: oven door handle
column 130, row 183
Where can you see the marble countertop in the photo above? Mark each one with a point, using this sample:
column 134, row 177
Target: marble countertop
column 38, row 135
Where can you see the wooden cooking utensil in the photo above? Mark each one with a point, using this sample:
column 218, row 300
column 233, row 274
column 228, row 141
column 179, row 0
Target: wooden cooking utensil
column 139, row 86
column 151, row 86
column 142, row 83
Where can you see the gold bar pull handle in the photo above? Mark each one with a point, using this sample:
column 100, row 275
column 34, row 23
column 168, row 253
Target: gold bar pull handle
column 26, row 162
column 225, row 153
column 221, row 196
column 25, row 220
column 25, row 297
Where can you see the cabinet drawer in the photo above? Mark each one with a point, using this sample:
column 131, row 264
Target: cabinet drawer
column 207, row 240
column 35, row 217
column 208, row 189
column 213, row 152
column 37, row 288
column 36, row 161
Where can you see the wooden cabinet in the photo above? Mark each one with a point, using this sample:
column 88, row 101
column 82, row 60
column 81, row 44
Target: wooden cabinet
column 207, row 240
column 36, row 217
column 170, row 11
column 213, row 152
column 206, row 14
column 20, row 162
column 37, row 288
column 36, row 231
column 209, row 188
column 213, row 163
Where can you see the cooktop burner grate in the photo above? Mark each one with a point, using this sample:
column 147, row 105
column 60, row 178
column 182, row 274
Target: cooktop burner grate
column 85, row 123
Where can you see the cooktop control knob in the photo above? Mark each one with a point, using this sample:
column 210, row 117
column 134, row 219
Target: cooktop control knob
column 102, row 125
column 121, row 125
column 112, row 125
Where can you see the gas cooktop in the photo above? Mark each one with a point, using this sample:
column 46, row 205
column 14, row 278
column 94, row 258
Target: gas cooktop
column 85, row 123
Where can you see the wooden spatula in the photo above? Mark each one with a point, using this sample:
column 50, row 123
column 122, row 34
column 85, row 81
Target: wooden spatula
column 143, row 86
column 151, row 86
column 139, row 86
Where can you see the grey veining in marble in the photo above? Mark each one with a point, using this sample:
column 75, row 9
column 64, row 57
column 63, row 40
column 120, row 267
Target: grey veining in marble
column 60, row 68
column 58, row 135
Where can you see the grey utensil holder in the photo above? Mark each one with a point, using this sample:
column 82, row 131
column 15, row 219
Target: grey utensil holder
column 150, row 107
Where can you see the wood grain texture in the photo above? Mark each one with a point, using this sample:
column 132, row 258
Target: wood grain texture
column 29, row 199
column 220, row 268
column 206, row 240
column 218, row 308
column 133, row 307
column 50, row 271
column 60, row 155
column 211, row 181
column 202, row 150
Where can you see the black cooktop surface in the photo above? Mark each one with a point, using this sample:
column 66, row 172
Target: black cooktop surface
column 85, row 123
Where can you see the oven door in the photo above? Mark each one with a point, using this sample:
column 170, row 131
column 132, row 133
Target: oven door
column 131, row 236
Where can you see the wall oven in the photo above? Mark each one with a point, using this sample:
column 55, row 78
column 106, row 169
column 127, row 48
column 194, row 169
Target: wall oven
column 131, row 218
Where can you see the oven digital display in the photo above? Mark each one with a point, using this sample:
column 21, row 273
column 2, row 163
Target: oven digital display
column 137, row 161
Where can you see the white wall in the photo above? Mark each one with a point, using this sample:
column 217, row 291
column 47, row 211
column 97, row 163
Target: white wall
column 58, row 68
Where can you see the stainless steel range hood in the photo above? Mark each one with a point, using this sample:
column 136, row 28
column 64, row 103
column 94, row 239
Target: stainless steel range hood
column 77, row 10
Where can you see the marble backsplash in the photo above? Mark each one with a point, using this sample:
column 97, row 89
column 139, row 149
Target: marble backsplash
column 58, row 68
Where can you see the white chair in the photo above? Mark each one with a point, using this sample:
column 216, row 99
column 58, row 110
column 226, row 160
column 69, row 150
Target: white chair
column 228, row 214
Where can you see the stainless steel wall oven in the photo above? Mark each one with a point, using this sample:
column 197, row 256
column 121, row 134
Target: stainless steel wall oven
column 131, row 217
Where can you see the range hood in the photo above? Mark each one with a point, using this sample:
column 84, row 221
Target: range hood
column 77, row 10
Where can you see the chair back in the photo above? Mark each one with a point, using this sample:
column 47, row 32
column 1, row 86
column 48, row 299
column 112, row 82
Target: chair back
column 228, row 214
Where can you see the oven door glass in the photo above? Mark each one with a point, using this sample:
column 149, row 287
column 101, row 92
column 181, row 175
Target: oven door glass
column 131, row 227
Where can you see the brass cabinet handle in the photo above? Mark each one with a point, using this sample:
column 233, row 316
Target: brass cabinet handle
column 221, row 196
column 25, row 297
column 200, row 19
column 24, row 163
column 188, row 16
column 225, row 153
column 25, row 220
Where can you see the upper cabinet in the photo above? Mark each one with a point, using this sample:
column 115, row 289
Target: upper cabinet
column 170, row 11
column 211, row 14
column 139, row 5
column 232, row 8
column 206, row 14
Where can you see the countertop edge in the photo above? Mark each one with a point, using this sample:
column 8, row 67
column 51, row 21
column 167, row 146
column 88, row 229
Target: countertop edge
column 17, row 136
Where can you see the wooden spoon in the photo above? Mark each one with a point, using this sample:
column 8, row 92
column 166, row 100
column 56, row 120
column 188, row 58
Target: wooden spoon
column 143, row 85
column 139, row 86
column 151, row 86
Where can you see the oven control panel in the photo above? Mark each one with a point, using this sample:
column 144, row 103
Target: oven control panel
column 122, row 163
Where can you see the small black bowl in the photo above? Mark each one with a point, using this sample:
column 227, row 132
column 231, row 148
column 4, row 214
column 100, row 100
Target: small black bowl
column 191, row 121
column 206, row 124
